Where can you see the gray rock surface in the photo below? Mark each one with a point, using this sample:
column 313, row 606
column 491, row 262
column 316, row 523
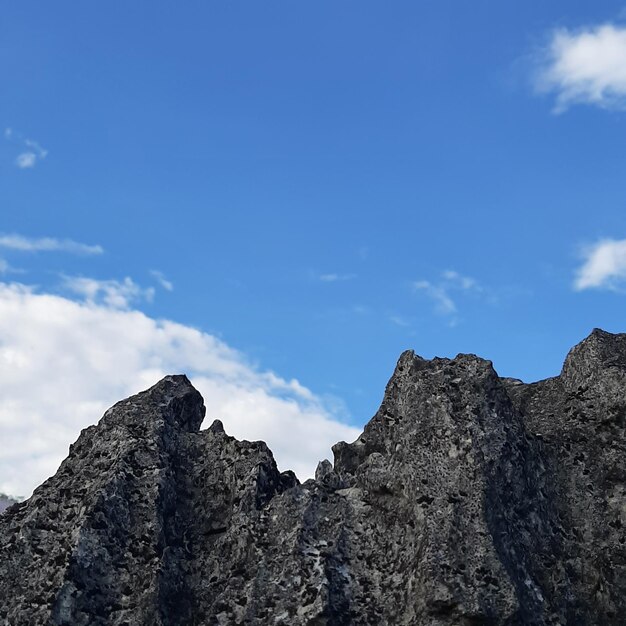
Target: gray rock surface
column 468, row 499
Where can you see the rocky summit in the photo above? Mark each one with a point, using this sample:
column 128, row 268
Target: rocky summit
column 468, row 499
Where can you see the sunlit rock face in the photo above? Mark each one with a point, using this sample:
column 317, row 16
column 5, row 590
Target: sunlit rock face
column 468, row 499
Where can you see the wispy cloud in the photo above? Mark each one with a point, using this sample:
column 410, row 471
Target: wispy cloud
column 26, row 160
column 114, row 294
column 603, row 267
column 47, row 244
column 398, row 320
column 7, row 268
column 466, row 283
column 584, row 66
column 160, row 278
column 333, row 278
column 441, row 291
column 31, row 151
column 438, row 293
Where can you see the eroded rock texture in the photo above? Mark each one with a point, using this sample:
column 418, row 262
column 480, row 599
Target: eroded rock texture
column 468, row 499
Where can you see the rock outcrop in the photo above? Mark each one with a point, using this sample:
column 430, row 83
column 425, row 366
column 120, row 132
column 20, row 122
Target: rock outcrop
column 468, row 499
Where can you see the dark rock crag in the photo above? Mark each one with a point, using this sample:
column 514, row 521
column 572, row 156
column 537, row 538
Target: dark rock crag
column 469, row 499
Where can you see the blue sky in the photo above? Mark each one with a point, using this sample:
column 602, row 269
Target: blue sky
column 318, row 186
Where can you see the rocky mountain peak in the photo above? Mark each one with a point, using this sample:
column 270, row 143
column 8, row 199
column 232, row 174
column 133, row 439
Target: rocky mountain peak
column 598, row 352
column 468, row 499
column 173, row 399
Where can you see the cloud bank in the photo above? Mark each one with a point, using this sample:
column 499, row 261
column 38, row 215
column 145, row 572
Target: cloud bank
column 604, row 266
column 63, row 362
column 586, row 66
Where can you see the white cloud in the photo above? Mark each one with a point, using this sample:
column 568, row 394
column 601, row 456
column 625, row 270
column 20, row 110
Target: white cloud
column 160, row 278
column 31, row 153
column 466, row 283
column 26, row 160
column 111, row 293
column 604, row 266
column 398, row 320
column 440, row 292
column 6, row 268
column 333, row 278
column 586, row 66
column 40, row 152
column 62, row 363
column 46, row 244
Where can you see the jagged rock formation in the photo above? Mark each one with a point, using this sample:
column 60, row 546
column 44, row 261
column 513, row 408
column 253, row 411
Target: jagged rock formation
column 468, row 499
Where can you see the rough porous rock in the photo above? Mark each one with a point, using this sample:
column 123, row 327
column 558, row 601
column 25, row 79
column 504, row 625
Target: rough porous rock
column 469, row 499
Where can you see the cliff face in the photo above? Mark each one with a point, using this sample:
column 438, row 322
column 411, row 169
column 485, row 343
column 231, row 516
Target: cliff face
column 468, row 499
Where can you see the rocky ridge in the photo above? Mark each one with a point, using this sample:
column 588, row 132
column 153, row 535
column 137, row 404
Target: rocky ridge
column 468, row 499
